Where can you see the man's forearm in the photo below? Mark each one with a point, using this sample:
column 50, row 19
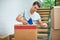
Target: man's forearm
column 40, row 22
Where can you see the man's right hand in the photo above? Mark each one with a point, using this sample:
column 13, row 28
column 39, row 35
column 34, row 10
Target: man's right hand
column 24, row 22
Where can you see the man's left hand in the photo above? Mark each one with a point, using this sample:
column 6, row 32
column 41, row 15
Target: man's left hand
column 44, row 25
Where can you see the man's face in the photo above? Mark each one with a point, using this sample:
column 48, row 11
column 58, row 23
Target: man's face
column 35, row 7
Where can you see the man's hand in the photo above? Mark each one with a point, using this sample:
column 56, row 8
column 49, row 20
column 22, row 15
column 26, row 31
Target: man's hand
column 44, row 25
column 24, row 22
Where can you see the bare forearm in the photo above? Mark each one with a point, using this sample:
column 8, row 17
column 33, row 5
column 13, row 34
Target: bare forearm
column 19, row 18
column 43, row 24
column 40, row 22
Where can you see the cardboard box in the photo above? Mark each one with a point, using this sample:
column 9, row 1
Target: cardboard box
column 25, row 32
column 4, row 37
column 55, row 17
column 55, row 34
column 55, row 22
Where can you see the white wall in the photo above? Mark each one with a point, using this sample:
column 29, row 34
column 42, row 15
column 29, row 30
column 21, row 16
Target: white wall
column 9, row 9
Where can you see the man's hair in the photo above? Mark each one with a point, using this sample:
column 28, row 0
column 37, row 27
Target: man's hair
column 36, row 3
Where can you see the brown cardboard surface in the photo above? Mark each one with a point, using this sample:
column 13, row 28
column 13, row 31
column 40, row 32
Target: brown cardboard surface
column 55, row 17
column 55, row 34
column 25, row 34
column 4, row 37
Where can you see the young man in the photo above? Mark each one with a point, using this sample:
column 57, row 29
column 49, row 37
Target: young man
column 31, row 13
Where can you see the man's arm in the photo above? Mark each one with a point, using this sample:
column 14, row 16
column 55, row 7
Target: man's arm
column 19, row 19
column 44, row 25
